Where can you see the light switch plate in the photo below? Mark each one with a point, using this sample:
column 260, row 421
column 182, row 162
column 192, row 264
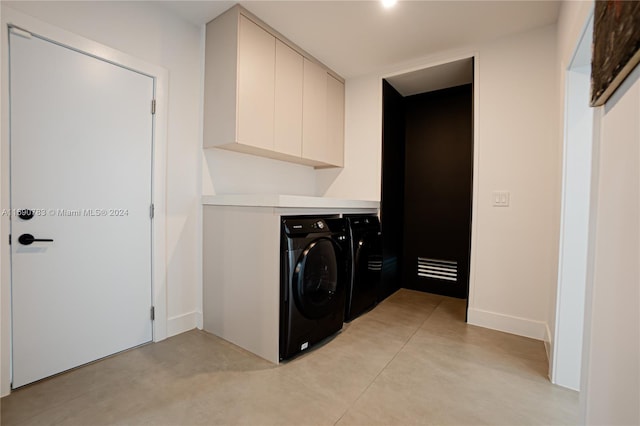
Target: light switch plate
column 500, row 198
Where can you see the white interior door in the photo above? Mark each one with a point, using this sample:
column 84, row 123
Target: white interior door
column 81, row 158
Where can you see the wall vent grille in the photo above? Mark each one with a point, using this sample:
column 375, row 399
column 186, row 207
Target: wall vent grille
column 374, row 263
column 438, row 269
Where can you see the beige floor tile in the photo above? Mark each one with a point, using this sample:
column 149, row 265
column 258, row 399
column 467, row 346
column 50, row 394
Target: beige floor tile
column 453, row 373
column 256, row 397
column 411, row 360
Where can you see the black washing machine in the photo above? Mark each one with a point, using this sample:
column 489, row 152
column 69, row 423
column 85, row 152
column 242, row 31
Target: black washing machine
column 313, row 276
column 366, row 264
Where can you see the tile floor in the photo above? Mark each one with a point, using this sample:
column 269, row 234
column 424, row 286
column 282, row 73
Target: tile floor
column 412, row 360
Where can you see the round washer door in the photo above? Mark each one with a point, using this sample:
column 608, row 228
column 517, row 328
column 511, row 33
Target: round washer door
column 316, row 279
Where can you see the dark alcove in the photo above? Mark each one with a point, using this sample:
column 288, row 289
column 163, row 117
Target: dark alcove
column 427, row 173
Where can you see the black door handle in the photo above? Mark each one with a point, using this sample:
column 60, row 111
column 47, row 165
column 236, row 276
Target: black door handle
column 28, row 239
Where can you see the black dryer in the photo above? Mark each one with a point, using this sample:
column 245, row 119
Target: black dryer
column 366, row 264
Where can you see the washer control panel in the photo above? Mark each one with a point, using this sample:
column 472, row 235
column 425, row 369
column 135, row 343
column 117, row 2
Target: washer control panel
column 311, row 225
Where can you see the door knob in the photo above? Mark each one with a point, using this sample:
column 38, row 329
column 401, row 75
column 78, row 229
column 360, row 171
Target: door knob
column 28, row 239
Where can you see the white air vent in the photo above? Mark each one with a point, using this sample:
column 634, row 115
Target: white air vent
column 374, row 263
column 438, row 269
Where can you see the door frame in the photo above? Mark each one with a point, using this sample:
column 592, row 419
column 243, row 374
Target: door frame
column 158, row 234
column 569, row 315
column 441, row 60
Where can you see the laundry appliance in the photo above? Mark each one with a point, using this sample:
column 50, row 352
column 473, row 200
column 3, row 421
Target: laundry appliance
column 314, row 275
column 366, row 264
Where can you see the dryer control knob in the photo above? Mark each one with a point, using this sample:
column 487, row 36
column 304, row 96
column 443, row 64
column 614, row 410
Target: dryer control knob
column 320, row 224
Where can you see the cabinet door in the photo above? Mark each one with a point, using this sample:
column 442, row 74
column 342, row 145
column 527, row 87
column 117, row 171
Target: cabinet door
column 288, row 100
column 314, row 112
column 256, row 82
column 335, row 122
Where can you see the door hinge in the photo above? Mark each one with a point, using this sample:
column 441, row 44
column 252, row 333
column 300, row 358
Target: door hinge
column 152, row 211
column 9, row 239
column 153, row 107
column 153, row 313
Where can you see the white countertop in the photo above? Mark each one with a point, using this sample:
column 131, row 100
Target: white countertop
column 286, row 201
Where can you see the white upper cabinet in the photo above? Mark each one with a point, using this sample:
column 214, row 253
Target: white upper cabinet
column 314, row 115
column 288, row 100
column 323, row 116
column 335, row 122
column 256, row 85
column 265, row 96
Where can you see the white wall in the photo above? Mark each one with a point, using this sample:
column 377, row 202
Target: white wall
column 610, row 380
column 611, row 357
column 229, row 172
column 156, row 35
column 514, row 248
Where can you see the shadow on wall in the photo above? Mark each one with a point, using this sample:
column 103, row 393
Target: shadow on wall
column 228, row 172
column 325, row 178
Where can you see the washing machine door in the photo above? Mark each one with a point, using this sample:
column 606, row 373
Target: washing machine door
column 317, row 279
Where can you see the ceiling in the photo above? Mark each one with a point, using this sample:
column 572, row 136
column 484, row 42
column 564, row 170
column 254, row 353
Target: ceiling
column 360, row 37
column 443, row 76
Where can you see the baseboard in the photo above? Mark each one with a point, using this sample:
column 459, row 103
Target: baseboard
column 548, row 346
column 507, row 323
column 547, row 342
column 199, row 320
column 181, row 323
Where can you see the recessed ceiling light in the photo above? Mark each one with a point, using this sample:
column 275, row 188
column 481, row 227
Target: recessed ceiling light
column 389, row 3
